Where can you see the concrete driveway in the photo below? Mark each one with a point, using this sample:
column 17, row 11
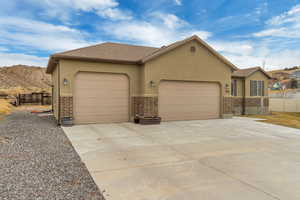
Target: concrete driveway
column 230, row 159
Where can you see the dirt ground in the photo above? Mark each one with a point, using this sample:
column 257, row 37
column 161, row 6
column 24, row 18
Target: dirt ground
column 33, row 108
column 288, row 119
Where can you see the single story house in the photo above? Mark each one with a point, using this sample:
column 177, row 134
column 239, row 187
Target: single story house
column 187, row 80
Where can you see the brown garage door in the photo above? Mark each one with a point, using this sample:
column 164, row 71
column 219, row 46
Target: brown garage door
column 101, row 98
column 180, row 100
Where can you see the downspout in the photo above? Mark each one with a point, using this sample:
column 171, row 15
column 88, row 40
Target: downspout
column 244, row 97
column 59, row 108
column 52, row 97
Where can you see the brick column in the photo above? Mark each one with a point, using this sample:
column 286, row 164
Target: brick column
column 237, row 105
column 66, row 107
column 145, row 106
column 227, row 107
column 257, row 105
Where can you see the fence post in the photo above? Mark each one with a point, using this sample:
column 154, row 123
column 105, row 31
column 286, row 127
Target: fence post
column 19, row 99
column 42, row 98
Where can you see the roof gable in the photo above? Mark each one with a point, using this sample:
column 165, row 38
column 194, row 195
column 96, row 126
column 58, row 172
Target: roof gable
column 175, row 45
column 243, row 73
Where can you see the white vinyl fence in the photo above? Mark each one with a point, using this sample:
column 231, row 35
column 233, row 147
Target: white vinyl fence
column 284, row 105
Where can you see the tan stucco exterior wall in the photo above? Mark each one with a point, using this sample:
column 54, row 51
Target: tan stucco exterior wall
column 55, row 94
column 240, row 86
column 256, row 76
column 182, row 64
column 70, row 68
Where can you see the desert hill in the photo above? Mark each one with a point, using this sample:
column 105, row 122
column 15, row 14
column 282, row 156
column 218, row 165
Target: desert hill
column 26, row 78
column 285, row 70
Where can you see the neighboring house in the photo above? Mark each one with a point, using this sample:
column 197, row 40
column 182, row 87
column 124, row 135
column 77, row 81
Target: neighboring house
column 249, row 91
column 295, row 79
column 110, row 82
column 279, row 75
column 295, row 75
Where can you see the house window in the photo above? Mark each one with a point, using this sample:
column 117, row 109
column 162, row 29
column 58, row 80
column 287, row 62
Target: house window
column 234, row 88
column 257, row 88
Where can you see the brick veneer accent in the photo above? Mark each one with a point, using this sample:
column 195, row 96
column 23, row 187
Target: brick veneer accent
column 266, row 102
column 227, row 105
column 148, row 106
column 252, row 105
column 237, row 101
column 66, row 107
column 249, row 102
column 145, row 106
column 237, row 105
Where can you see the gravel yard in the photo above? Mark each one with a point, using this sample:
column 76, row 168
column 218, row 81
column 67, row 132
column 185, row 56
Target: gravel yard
column 37, row 161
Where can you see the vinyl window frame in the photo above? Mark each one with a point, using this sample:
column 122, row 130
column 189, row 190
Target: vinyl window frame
column 257, row 88
column 234, row 88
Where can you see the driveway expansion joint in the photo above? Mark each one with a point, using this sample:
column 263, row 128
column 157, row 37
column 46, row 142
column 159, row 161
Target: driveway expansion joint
column 239, row 180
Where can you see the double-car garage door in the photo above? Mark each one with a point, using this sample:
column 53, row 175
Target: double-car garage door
column 104, row 98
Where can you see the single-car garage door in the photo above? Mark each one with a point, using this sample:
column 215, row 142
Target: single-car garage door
column 179, row 100
column 101, row 98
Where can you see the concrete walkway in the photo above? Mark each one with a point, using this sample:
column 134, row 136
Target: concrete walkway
column 230, row 159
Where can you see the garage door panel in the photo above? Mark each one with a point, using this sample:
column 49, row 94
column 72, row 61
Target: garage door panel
column 188, row 100
column 101, row 98
column 113, row 102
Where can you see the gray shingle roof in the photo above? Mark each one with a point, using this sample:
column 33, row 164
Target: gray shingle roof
column 110, row 51
column 125, row 53
column 247, row 72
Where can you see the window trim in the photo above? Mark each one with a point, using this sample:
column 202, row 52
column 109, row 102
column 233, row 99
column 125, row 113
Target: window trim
column 234, row 88
column 257, row 88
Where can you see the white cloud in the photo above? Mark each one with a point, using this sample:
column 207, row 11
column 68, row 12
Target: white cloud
column 277, row 60
column 286, row 25
column 170, row 20
column 7, row 59
column 39, row 35
column 261, row 9
column 293, row 15
column 114, row 14
column 277, row 43
column 178, row 2
column 88, row 5
column 291, row 32
column 3, row 49
column 202, row 34
column 245, row 54
column 64, row 8
column 244, row 48
column 161, row 30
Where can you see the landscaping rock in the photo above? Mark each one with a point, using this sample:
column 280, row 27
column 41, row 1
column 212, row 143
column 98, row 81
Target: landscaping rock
column 37, row 161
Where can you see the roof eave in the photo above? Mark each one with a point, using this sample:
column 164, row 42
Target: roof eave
column 237, row 76
column 50, row 65
column 55, row 58
column 262, row 71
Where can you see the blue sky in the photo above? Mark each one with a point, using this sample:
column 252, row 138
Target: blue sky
column 247, row 32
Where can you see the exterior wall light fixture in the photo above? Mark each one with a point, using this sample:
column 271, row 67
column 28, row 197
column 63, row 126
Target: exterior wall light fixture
column 227, row 88
column 152, row 83
column 65, row 81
